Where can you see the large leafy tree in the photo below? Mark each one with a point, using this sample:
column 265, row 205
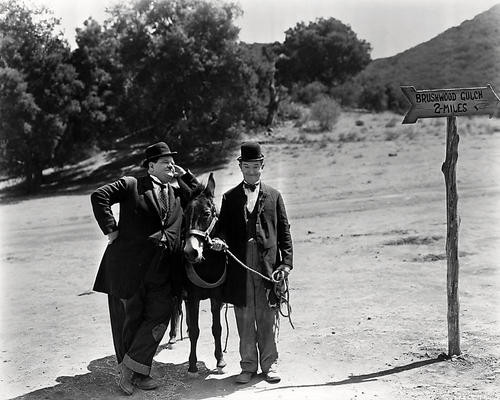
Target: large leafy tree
column 99, row 68
column 37, row 86
column 326, row 50
column 180, row 68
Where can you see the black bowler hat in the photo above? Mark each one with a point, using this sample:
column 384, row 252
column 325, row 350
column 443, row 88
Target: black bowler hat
column 157, row 150
column 250, row 151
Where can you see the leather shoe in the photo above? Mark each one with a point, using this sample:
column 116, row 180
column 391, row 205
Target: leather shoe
column 244, row 377
column 145, row 382
column 272, row 376
column 125, row 380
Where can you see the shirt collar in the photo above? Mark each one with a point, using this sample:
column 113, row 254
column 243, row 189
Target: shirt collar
column 157, row 181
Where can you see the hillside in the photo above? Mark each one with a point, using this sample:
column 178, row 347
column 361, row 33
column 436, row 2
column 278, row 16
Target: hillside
column 465, row 55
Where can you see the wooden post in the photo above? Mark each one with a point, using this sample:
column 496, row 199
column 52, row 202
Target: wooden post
column 448, row 168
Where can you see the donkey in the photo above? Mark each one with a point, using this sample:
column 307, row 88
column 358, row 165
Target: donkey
column 205, row 269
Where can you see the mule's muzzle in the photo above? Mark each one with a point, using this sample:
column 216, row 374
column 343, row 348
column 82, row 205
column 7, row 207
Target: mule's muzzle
column 193, row 250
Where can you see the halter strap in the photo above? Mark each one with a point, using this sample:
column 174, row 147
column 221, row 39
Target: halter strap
column 198, row 281
column 204, row 234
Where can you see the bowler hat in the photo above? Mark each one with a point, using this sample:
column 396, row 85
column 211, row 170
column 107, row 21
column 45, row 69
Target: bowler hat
column 157, row 150
column 250, row 151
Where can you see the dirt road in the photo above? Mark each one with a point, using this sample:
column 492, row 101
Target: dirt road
column 367, row 209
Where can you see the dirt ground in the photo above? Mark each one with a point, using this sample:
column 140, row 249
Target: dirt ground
column 367, row 208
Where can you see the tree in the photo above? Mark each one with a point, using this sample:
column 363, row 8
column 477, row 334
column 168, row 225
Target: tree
column 98, row 65
column 326, row 50
column 38, row 86
column 181, row 69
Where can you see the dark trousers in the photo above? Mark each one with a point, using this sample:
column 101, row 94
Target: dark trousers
column 138, row 325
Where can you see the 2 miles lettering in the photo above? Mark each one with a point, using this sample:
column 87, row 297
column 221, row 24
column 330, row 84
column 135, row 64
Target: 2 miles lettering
column 450, row 108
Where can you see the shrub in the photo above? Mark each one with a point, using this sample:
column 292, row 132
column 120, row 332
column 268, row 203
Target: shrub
column 309, row 93
column 347, row 94
column 291, row 110
column 326, row 112
column 391, row 135
column 392, row 123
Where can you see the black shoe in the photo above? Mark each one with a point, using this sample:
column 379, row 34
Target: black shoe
column 244, row 377
column 125, row 380
column 145, row 382
column 272, row 376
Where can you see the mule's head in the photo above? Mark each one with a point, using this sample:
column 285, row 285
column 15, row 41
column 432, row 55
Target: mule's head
column 200, row 216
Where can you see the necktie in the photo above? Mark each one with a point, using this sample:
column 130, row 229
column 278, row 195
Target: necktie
column 162, row 198
column 250, row 186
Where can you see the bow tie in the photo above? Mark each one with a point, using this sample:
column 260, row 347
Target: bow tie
column 250, row 186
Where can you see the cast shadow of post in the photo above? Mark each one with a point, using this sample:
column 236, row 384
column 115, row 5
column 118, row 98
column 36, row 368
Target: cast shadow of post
column 101, row 384
column 370, row 377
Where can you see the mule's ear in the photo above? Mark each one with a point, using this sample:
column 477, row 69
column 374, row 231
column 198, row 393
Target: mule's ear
column 210, row 188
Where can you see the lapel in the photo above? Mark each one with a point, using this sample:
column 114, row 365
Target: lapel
column 149, row 195
column 262, row 197
column 241, row 198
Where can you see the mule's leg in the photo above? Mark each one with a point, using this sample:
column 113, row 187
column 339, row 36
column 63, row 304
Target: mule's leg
column 192, row 314
column 215, row 308
column 174, row 320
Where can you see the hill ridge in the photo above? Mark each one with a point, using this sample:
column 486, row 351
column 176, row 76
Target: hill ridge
column 463, row 55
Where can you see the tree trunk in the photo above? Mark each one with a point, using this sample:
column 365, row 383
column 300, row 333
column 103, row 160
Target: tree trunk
column 33, row 175
column 448, row 168
column 272, row 107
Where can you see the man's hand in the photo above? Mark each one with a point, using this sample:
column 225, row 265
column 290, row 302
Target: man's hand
column 281, row 272
column 218, row 244
column 178, row 171
column 112, row 236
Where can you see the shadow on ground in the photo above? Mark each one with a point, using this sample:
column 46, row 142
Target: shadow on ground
column 175, row 384
column 88, row 175
column 372, row 376
column 100, row 384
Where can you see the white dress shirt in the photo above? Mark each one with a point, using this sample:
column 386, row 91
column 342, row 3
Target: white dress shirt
column 252, row 197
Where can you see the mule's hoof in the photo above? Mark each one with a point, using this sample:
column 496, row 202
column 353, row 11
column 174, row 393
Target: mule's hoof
column 220, row 371
column 221, row 363
column 193, row 374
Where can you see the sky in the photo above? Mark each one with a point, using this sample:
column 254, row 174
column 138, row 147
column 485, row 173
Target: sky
column 390, row 26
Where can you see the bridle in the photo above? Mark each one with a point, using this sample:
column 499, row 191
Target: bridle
column 204, row 235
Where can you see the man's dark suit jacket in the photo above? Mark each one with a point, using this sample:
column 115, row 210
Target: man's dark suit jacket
column 131, row 255
column 272, row 235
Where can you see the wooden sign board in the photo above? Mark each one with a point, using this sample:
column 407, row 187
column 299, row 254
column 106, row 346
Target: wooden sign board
column 449, row 102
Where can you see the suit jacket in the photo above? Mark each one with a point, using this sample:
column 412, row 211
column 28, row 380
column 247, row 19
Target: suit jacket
column 272, row 236
column 133, row 255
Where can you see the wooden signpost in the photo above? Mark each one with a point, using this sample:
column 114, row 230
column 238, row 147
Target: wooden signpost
column 450, row 103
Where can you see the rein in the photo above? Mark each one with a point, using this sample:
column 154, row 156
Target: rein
column 277, row 277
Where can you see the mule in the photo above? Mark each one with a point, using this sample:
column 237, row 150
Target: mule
column 205, row 270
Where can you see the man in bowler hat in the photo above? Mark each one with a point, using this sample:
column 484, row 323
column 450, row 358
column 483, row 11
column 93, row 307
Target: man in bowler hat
column 138, row 266
column 254, row 225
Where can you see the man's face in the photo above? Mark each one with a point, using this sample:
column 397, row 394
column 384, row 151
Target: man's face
column 251, row 170
column 163, row 169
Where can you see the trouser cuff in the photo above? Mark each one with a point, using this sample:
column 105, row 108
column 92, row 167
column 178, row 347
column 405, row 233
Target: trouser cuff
column 135, row 366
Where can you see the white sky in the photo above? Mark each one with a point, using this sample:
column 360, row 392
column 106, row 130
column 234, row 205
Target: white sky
column 390, row 26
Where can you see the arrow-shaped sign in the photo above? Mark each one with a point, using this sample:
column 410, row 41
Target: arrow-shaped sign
column 449, row 102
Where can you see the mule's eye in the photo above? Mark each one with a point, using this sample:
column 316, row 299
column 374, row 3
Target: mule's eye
column 207, row 214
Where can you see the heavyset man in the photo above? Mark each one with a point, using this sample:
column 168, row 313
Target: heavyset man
column 137, row 269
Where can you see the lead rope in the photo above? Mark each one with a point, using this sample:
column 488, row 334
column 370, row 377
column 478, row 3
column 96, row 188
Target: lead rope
column 283, row 296
column 227, row 328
